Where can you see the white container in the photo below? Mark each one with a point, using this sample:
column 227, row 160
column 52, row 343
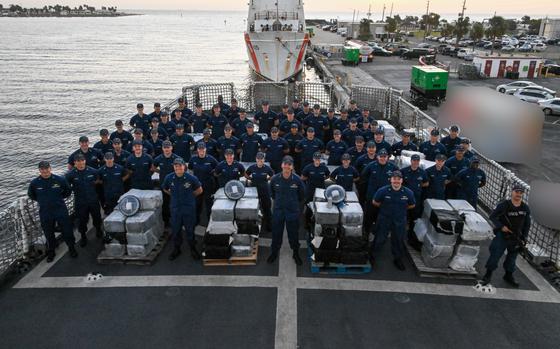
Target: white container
column 351, row 214
column 465, row 258
column 218, row 228
column 223, row 210
column 435, row 204
column 409, row 153
column 460, row 205
column 141, row 222
column 247, row 209
column 325, row 214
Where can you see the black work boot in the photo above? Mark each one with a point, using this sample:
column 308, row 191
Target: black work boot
column 399, row 264
column 194, row 252
column 486, row 278
column 50, row 256
column 297, row 258
column 508, row 277
column 72, row 251
column 83, row 240
column 272, row 258
column 176, row 252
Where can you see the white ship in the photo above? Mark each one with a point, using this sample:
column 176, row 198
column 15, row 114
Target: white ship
column 276, row 38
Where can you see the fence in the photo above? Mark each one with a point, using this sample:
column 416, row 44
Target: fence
column 19, row 223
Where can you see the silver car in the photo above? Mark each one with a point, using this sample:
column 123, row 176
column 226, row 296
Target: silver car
column 550, row 106
column 514, row 86
column 532, row 96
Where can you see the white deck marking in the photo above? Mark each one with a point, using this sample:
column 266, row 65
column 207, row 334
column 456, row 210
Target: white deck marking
column 286, row 303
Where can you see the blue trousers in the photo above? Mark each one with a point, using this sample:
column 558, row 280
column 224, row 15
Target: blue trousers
column 497, row 248
column 397, row 227
column 84, row 210
column 48, row 222
column 183, row 217
column 290, row 220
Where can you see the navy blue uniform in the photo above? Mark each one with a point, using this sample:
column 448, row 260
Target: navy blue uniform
column 162, row 132
column 141, row 168
column 354, row 114
column 392, row 218
column 518, row 220
column 185, row 112
column 113, row 185
column 182, row 145
column 232, row 114
column 85, row 197
column 203, row 169
column 308, row 148
column 319, row 123
column 157, row 145
column 383, row 145
column 181, row 121
column 240, row 126
column 198, row 122
column 94, row 158
column 431, row 150
column 413, row 180
column 183, row 205
column 361, row 163
column 212, row 147
column 288, row 195
column 155, row 115
column 121, row 158
column 345, row 176
column 302, row 115
column 147, row 147
column 165, row 167
column 398, row 147
column 341, row 124
column 259, row 178
column 250, row 145
column 349, row 136
column 227, row 172
column 228, row 143
column 450, row 144
column 217, row 123
column 316, row 176
column 50, row 194
column 125, row 137
column 336, row 149
column 355, row 154
column 266, row 121
column 436, row 189
column 376, row 176
column 469, row 180
column 455, row 166
column 169, row 128
column 275, row 151
column 286, row 126
column 103, row 147
column 141, row 122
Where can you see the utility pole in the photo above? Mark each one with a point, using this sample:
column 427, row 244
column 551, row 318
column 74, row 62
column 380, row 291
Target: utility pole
column 427, row 17
column 391, row 13
column 460, row 23
column 383, row 15
column 369, row 12
column 353, row 16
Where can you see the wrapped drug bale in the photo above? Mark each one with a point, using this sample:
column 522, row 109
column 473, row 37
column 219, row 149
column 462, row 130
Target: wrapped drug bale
column 351, row 214
column 115, row 222
column 465, row 257
column 247, row 209
column 217, row 239
column 142, row 250
column 435, row 255
column 352, row 230
column 251, row 227
column 144, row 238
column 351, row 197
column 319, row 195
column 476, row 227
column 223, row 210
column 435, row 204
column 326, row 214
column 149, row 199
column 447, row 222
column 221, row 228
column 409, row 153
column 242, row 245
column 217, row 252
column 460, row 205
column 140, row 222
column 114, row 249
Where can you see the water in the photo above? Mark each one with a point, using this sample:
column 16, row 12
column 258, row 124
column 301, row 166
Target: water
column 66, row 77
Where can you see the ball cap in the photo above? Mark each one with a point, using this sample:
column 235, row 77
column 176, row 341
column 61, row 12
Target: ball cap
column 166, row 144
column 434, row 132
column 207, row 131
column 475, row 160
column 178, row 161
column 109, row 156
column 331, row 110
column 346, row 156
column 290, row 111
column 44, row 164
column 83, row 139
column 316, row 106
column 441, row 157
column 317, row 155
column 415, row 157
column 288, row 160
column 310, row 130
column 136, row 142
column 465, row 141
column 371, row 144
column 260, row 155
column 306, row 104
column 229, row 152
column 79, row 157
column 138, row 131
column 454, row 128
column 249, row 125
column 103, row 132
column 382, row 152
column 294, row 126
column 274, row 129
column 518, row 187
column 139, row 105
column 265, row 102
column 228, row 128
column 396, row 173
column 337, row 132
column 379, row 131
column 117, row 141
column 118, row 123
column 201, row 145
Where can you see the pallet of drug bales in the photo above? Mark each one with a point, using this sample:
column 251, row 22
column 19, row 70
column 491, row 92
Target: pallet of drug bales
column 446, row 273
column 136, row 260
column 336, row 268
column 234, row 261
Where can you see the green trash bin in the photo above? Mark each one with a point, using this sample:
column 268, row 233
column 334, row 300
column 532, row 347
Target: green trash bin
column 351, row 55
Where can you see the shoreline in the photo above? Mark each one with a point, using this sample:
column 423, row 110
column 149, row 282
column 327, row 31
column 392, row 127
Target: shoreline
column 70, row 16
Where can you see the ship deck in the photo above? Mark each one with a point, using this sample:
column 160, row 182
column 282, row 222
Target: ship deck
column 183, row 304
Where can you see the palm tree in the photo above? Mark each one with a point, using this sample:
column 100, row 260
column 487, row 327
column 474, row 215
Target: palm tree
column 477, row 32
column 497, row 29
column 462, row 28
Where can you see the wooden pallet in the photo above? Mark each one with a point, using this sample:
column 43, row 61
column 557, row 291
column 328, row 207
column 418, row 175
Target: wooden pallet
column 446, row 273
column 340, row 269
column 234, row 261
column 135, row 260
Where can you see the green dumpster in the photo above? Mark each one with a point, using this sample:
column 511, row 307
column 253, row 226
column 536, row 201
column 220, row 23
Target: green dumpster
column 351, row 55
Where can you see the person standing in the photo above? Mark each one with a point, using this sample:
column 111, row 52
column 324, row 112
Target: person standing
column 393, row 201
column 140, row 167
column 182, row 142
column 345, row 175
column 112, row 176
column 217, row 122
column 203, row 166
column 415, row 179
column 512, row 220
column 229, row 169
column 122, row 134
column 335, row 148
column 266, row 119
column 440, row 177
column 469, row 180
column 259, row 174
column 433, row 147
column 250, row 144
column 163, row 164
column 287, row 191
column 82, row 180
column 49, row 191
column 276, row 148
column 183, row 189
column 140, row 120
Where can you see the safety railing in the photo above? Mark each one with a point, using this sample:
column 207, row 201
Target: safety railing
column 276, row 93
column 315, row 93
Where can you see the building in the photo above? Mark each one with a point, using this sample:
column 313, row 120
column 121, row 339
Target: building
column 496, row 66
column 376, row 29
column 550, row 28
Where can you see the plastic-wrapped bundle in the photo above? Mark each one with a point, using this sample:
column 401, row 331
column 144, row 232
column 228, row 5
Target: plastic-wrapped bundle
column 115, row 222
column 353, row 244
column 404, row 161
column 460, row 205
column 409, row 153
column 250, row 192
column 435, row 204
column 325, row 214
column 447, row 222
column 476, row 228
column 141, row 222
column 242, row 240
column 435, row 255
column 319, row 195
column 143, row 238
column 144, row 249
column 465, row 258
column 351, row 214
column 351, row 197
column 223, row 210
column 352, row 230
column 217, row 239
column 421, row 228
column 114, row 249
column 221, row 228
column 149, row 199
column 247, row 209
column 217, row 252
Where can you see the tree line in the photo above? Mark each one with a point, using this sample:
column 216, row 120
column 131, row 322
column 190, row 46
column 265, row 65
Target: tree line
column 55, row 8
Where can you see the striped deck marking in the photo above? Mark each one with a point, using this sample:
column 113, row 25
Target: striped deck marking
column 302, row 50
column 252, row 53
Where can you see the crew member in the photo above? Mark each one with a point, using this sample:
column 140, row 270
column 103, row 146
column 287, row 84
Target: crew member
column 250, row 144
column 182, row 142
column 120, row 155
column 394, row 201
column 295, row 106
column 349, row 135
column 183, row 188
column 229, row 169
column 379, row 139
column 94, row 158
column 305, row 112
column 511, row 220
column 146, row 146
column 122, row 134
column 405, row 144
column 228, row 141
column 104, row 144
column 82, row 180
column 335, row 148
column 360, row 164
column 182, row 107
column 293, row 138
column 328, row 136
column 357, row 150
column 140, row 120
column 469, row 180
column 287, row 191
column 224, row 107
column 140, row 167
column 345, row 175
column 287, row 123
column 199, row 119
column 452, row 141
column 178, row 118
column 217, row 122
column 166, row 124
column 155, row 125
column 415, row 179
column 440, row 177
column 432, row 147
column 203, row 166
column 276, row 148
column 308, row 147
column 157, row 113
column 259, row 174
column 112, row 176
column 353, row 111
column 456, row 164
column 163, row 164
column 266, row 119
column 317, row 121
column 50, row 190
column 343, row 122
column 233, row 112
column 156, row 142
column 212, row 145
column 240, row 123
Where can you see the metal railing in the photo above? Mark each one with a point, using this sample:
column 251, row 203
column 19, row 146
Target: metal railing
column 20, row 228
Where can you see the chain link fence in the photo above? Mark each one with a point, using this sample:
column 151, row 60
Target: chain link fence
column 316, row 93
column 276, row 93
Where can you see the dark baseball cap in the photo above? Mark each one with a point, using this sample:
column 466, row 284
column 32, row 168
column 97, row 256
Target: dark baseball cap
column 285, row 106
column 337, row 132
column 83, row 139
column 343, row 111
column 139, row 105
column 306, row 104
column 178, row 161
column 153, row 131
column 475, row 160
column 441, row 157
column 109, row 156
column 117, row 141
column 274, row 129
column 137, row 142
column 249, row 125
column 310, row 129
column 155, row 119
column 228, row 128
column 352, row 101
column 260, row 155
column 242, row 110
column 166, row 144
column 415, row 157
column 207, row 131
column 346, row 156
column 44, row 164
column 157, row 105
column 180, row 100
column 229, row 152
column 353, row 121
column 138, row 131
column 164, row 113
column 288, row 160
column 371, row 144
column 396, row 173
column 79, row 157
column 518, row 187
column 465, row 141
column 317, row 155
column 290, row 111
column 265, row 102
column 406, row 134
column 365, row 108
column 316, row 106
column 198, row 105
column 180, row 126
column 454, row 128
column 382, row 152
column 103, row 132
column 379, row 131
column 294, row 126
column 331, row 110
column 359, row 139
column 434, row 132
column 201, row 145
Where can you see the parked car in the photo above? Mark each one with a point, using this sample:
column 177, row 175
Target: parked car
column 379, row 51
column 424, row 45
column 415, row 53
column 461, row 53
column 550, row 106
column 400, row 51
column 532, row 96
column 525, row 48
column 508, row 48
column 539, row 47
column 327, row 27
column 469, row 57
column 514, row 86
column 537, row 88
